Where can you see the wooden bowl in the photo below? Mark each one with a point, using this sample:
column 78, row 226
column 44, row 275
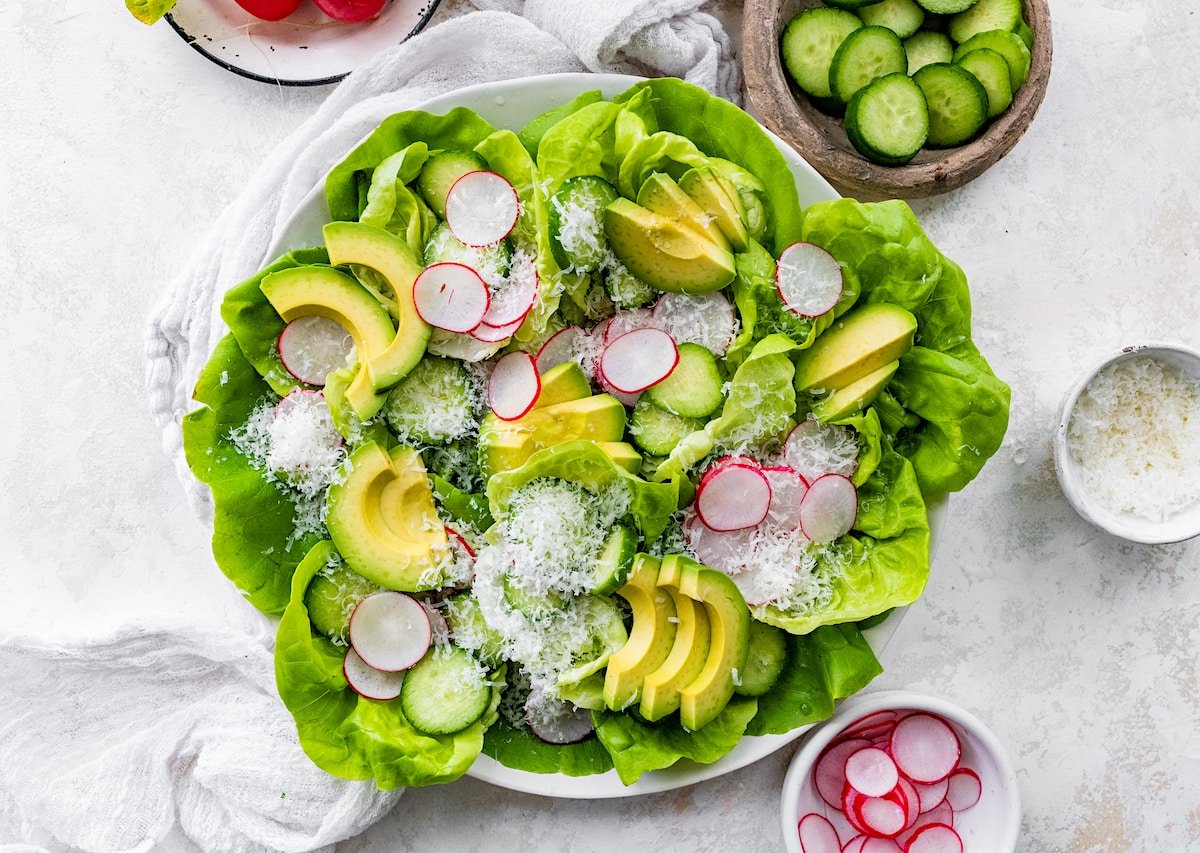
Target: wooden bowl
column 821, row 140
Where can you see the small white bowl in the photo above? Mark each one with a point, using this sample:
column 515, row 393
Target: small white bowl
column 1184, row 525
column 991, row 826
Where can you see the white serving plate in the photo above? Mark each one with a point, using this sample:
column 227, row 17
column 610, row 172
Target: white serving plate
column 305, row 49
column 512, row 104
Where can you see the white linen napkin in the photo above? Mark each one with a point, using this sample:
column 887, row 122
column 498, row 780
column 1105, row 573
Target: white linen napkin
column 166, row 734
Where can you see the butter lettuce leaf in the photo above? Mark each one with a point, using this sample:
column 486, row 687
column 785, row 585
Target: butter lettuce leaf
column 520, row 749
column 532, row 133
column 149, row 11
column 392, row 206
column 345, row 734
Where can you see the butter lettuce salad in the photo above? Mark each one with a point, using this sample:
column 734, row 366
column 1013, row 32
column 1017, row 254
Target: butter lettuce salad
column 584, row 446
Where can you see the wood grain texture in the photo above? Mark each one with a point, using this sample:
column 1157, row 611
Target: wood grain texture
column 822, row 141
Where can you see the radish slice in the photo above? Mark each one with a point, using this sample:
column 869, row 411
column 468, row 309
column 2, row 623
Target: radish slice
column 829, row 508
column 556, row 721
column 489, row 334
column 871, row 772
column 935, row 838
column 855, row 844
column 313, row 347
column 439, row 630
column 514, row 386
column 850, row 800
column 482, row 208
column 390, row 630
column 881, row 817
column 815, row 449
column 932, row 796
column 514, row 297
column 639, row 359
column 707, row 320
column 451, row 296
column 817, row 835
column 870, row 721
column 627, row 321
column 942, row 814
column 368, row 682
column 298, row 401
column 829, row 775
column 880, row 845
column 925, row 747
column 787, row 491
column 733, row 497
column 963, row 789
column 462, row 347
column 726, row 551
column 809, row 280
column 564, row 345
column 627, row 400
column 911, row 802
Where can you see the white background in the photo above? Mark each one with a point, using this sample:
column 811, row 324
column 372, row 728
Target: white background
column 119, row 147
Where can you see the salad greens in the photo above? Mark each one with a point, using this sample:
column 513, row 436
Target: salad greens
column 515, row 584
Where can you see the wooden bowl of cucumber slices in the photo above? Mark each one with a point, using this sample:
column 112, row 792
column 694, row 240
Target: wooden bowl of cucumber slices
column 897, row 98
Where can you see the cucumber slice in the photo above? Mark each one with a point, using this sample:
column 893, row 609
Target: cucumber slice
column 533, row 604
column 888, row 122
column 657, row 431
column 850, row 4
column 957, row 102
column 1008, row 45
column 865, row 56
column 1025, row 33
column 614, row 561
column 626, row 290
column 946, row 7
column 435, row 403
column 491, row 262
column 444, row 692
column 809, row 43
column 926, row 48
column 983, row 16
column 694, row 388
column 903, row 17
column 575, row 220
column 332, row 596
column 990, row 69
column 441, row 171
column 764, row 661
column 470, row 630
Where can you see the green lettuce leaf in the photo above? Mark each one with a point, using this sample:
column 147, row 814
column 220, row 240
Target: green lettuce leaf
column 149, row 11
column 520, row 749
column 532, row 133
column 638, row 748
column 469, row 508
column 253, row 539
column 581, row 144
column 345, row 734
column 391, row 205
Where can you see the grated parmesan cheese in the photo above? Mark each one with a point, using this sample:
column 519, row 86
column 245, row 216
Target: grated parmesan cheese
column 1135, row 434
column 580, row 232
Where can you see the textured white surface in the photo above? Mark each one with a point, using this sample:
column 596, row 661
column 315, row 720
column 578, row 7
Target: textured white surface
column 120, row 146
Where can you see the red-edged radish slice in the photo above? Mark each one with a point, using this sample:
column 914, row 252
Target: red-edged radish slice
column 463, row 347
column 639, row 359
column 297, row 401
column 707, row 320
column 350, row 11
column 963, row 789
column 829, row 508
column 489, row 334
column 482, row 208
column 390, row 630
column 514, row 297
column 933, row 795
column 911, row 801
column 514, row 386
column 809, row 280
column 555, row 721
column 439, row 630
column 880, row 845
column 935, row 838
column 313, row 347
column 735, row 459
column 855, row 844
column 457, row 541
column 829, row 774
column 815, row 449
column 870, row 721
column 817, row 835
column 879, row 731
column 369, row 682
column 451, row 296
column 941, row 814
column 787, row 491
column 726, row 551
column 628, row 400
column 565, row 345
column 733, row 497
column 850, row 800
column 881, row 817
column 627, row 320
column 925, row 748
column 871, row 772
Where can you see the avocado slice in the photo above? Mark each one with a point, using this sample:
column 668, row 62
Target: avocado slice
column 856, row 345
column 856, row 396
column 350, row 401
column 382, row 518
column 718, row 198
column 661, row 689
column 562, row 384
column 729, row 624
column 663, row 252
column 504, row 445
column 392, row 258
column 660, row 194
column 650, row 640
column 623, row 453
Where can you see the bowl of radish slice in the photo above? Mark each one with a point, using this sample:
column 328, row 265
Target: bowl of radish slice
column 900, row 772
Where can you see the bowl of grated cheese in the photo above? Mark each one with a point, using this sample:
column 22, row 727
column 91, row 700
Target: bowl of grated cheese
column 1127, row 445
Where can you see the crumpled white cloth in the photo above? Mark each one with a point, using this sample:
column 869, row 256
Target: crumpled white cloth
column 156, row 737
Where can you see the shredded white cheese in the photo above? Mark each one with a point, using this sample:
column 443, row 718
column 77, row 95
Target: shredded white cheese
column 1135, row 434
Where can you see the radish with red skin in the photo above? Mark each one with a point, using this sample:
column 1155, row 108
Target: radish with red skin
column 871, row 771
column 298, row 397
column 817, row 835
column 925, row 748
column 639, row 359
column 270, row 10
column 912, row 801
column 880, row 816
column 563, row 346
column 849, row 807
column 808, row 279
column 451, row 296
column 457, row 541
column 935, row 838
column 869, row 721
column 482, row 208
column 627, row 400
column 513, row 299
column 351, row 11
column 880, row 845
column 877, row 732
column 368, row 682
column 787, row 491
column 489, row 334
column 829, row 774
column 963, row 789
column 855, row 844
column 829, row 508
column 514, row 386
column 941, row 814
column 810, row 442
column 312, row 347
column 707, row 320
column 932, row 795
column 555, row 721
column 628, row 320
column 439, row 630
column 733, row 497
column 390, row 630
column 727, row 551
